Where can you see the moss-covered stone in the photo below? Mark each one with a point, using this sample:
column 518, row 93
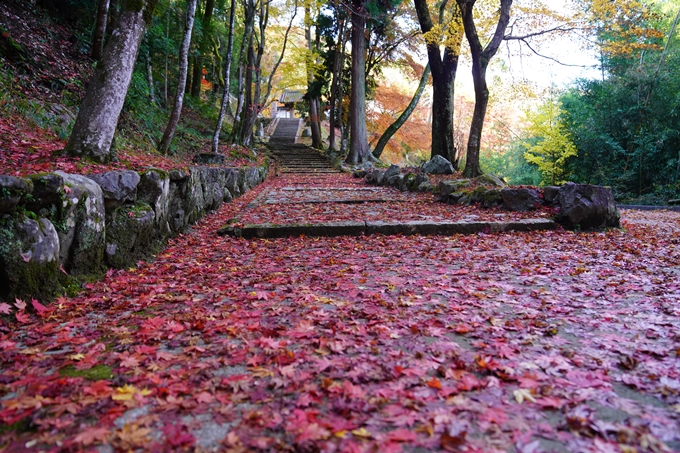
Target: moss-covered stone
column 29, row 265
column 129, row 234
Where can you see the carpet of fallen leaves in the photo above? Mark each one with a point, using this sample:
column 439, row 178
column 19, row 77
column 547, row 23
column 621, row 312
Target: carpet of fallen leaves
column 529, row 342
column 300, row 199
column 26, row 149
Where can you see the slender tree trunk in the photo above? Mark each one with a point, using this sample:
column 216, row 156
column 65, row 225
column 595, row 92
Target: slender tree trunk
column 394, row 127
column 100, row 29
column 95, row 125
column 480, row 61
column 265, row 98
column 248, row 97
column 256, row 65
column 169, row 133
column 203, row 48
column 472, row 166
column 149, row 77
column 165, row 73
column 225, row 105
column 112, row 17
column 334, row 85
column 341, row 96
column 359, row 151
column 246, row 43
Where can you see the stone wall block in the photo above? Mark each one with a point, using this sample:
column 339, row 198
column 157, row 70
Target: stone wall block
column 29, row 257
column 119, row 187
column 82, row 229
column 12, row 190
column 128, row 234
column 154, row 189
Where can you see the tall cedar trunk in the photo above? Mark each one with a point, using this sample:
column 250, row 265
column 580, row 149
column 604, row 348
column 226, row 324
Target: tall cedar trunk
column 394, row 127
column 95, row 125
column 443, row 78
column 100, row 29
column 246, row 43
column 314, row 120
column 334, row 84
column 164, row 144
column 480, row 61
column 359, row 151
column 225, row 105
column 203, row 48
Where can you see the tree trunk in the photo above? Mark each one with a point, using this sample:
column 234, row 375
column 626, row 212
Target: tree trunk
column 249, row 106
column 480, row 61
column 165, row 73
column 203, row 48
column 225, row 105
column 164, row 144
column 334, row 85
column 100, row 29
column 472, row 166
column 196, row 77
column 190, row 64
column 443, row 82
column 149, row 77
column 97, row 118
column 112, row 19
column 394, row 127
column 341, row 96
column 443, row 79
column 359, row 151
column 246, row 43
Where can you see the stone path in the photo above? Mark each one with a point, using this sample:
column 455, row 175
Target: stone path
column 312, row 198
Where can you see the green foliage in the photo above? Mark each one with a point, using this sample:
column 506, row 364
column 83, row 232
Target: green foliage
column 552, row 146
column 512, row 166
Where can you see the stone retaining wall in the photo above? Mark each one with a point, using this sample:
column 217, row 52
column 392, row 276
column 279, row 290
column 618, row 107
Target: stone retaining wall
column 57, row 222
column 576, row 206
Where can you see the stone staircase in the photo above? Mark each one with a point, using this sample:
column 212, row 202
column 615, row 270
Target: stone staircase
column 286, row 131
column 295, row 158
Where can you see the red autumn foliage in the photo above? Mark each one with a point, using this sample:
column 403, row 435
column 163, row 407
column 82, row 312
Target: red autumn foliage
column 489, row 342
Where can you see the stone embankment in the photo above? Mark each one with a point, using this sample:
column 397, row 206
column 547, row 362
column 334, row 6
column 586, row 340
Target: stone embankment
column 577, row 206
column 54, row 224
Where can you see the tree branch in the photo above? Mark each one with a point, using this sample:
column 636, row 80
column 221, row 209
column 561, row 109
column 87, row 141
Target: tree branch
column 556, row 60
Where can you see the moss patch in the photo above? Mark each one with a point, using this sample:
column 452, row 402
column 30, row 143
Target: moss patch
column 96, row 373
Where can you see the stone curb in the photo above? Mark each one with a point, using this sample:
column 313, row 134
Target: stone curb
column 331, row 229
column 638, row 207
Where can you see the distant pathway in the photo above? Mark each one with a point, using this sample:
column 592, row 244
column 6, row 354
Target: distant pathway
column 549, row 341
column 314, row 199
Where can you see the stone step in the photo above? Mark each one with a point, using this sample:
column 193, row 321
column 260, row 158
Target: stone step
column 332, row 229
